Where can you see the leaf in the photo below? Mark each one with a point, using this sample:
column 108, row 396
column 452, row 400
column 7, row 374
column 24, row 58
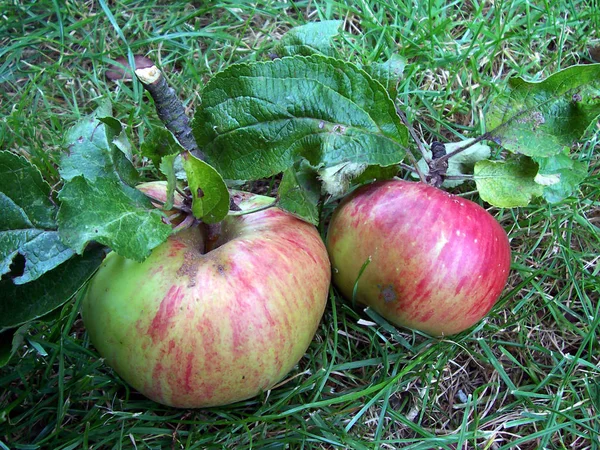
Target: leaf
column 91, row 150
column 507, row 183
column 560, row 176
column 22, row 183
column 159, row 144
column 21, row 234
column 111, row 213
column 374, row 173
column 167, row 167
column 314, row 37
column 21, row 303
column 539, row 119
column 299, row 193
column 10, row 341
column 258, row 119
column 336, row 179
column 210, row 197
column 179, row 169
column 461, row 164
column 42, row 250
column 13, row 216
column 388, row 73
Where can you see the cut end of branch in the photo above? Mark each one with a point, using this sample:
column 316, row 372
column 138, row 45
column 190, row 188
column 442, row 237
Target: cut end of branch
column 148, row 75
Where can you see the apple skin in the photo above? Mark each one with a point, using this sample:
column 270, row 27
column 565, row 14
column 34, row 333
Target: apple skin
column 191, row 329
column 438, row 262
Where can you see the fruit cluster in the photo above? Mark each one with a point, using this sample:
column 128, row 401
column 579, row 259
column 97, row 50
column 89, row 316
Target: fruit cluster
column 215, row 317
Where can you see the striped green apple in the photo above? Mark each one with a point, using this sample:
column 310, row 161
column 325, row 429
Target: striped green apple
column 206, row 322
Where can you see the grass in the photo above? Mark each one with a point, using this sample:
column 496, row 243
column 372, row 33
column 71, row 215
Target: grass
column 526, row 377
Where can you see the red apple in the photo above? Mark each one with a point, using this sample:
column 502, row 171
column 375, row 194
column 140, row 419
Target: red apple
column 438, row 262
column 196, row 327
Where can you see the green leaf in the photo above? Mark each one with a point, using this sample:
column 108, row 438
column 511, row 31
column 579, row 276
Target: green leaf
column 299, row 193
column 210, row 197
column 374, row 173
column 92, row 152
column 258, row 119
column 111, row 213
column 42, row 250
column 388, row 73
column 21, row 303
column 560, row 176
column 539, row 119
column 159, row 144
column 22, row 183
column 314, row 37
column 461, row 164
column 167, row 167
column 10, row 341
column 507, row 183
column 13, row 217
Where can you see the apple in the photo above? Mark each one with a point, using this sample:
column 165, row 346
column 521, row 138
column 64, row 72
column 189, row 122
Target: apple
column 436, row 262
column 157, row 192
column 203, row 323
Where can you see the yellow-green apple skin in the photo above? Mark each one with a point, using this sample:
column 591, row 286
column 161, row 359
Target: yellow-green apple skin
column 437, row 262
column 193, row 328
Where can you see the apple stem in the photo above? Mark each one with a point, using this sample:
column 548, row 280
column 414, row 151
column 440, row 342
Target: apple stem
column 459, row 177
column 478, row 139
column 413, row 133
column 180, row 192
column 407, row 167
column 253, row 210
column 186, row 223
column 415, row 137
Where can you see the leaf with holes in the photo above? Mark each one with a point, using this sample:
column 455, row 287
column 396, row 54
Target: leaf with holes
column 27, row 226
column 22, row 183
column 21, row 303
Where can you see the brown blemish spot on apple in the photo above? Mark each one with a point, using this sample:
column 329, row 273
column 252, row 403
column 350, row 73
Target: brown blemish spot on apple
column 189, row 268
column 388, row 293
